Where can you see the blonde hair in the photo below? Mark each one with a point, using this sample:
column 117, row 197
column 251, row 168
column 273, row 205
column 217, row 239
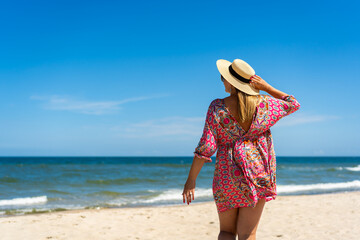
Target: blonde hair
column 246, row 105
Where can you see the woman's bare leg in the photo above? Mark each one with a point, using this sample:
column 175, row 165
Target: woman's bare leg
column 228, row 221
column 248, row 220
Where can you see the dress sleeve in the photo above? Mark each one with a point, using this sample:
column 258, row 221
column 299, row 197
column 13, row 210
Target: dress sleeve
column 207, row 145
column 279, row 108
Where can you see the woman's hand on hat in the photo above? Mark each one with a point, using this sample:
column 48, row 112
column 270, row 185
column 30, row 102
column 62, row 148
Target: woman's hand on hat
column 258, row 83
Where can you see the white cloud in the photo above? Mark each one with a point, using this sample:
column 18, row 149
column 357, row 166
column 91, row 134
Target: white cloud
column 298, row 119
column 169, row 126
column 64, row 103
column 193, row 126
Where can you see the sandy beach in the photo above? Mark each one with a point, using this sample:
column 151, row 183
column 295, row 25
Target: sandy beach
column 325, row 216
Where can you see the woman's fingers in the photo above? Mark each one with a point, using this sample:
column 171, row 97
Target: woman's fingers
column 252, row 80
column 255, row 77
column 188, row 197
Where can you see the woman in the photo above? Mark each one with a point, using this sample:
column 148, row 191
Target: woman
column 238, row 128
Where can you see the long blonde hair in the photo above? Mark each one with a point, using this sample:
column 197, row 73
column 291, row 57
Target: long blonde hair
column 246, row 105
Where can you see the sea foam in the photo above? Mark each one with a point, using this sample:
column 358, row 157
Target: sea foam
column 24, row 201
column 318, row 187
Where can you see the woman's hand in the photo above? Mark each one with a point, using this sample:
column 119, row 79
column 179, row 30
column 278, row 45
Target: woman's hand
column 189, row 189
column 258, row 83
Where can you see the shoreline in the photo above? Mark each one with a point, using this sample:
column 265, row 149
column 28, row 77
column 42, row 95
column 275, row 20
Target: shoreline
column 286, row 217
column 155, row 206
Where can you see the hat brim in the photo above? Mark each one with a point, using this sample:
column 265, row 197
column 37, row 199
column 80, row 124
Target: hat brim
column 223, row 67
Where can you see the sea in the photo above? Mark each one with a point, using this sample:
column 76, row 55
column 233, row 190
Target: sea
column 30, row 185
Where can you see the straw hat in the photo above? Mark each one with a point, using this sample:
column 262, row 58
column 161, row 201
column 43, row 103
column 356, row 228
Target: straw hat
column 238, row 74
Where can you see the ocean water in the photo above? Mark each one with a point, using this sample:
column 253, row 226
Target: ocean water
column 43, row 184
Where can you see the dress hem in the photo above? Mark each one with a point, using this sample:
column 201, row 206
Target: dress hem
column 223, row 209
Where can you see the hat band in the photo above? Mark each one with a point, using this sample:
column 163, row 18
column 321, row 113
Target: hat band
column 237, row 76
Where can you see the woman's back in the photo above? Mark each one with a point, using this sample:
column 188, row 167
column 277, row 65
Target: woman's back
column 231, row 103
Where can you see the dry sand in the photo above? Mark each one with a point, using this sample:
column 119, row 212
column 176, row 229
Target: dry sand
column 325, row 216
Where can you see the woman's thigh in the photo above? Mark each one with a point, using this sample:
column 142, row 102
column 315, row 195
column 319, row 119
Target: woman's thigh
column 228, row 220
column 249, row 218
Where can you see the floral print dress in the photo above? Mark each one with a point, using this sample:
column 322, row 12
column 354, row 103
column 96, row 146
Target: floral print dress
column 245, row 168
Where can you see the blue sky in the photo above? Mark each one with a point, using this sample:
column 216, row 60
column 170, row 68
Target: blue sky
column 122, row 78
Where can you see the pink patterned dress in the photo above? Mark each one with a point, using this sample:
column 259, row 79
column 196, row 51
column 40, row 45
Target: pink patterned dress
column 245, row 168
